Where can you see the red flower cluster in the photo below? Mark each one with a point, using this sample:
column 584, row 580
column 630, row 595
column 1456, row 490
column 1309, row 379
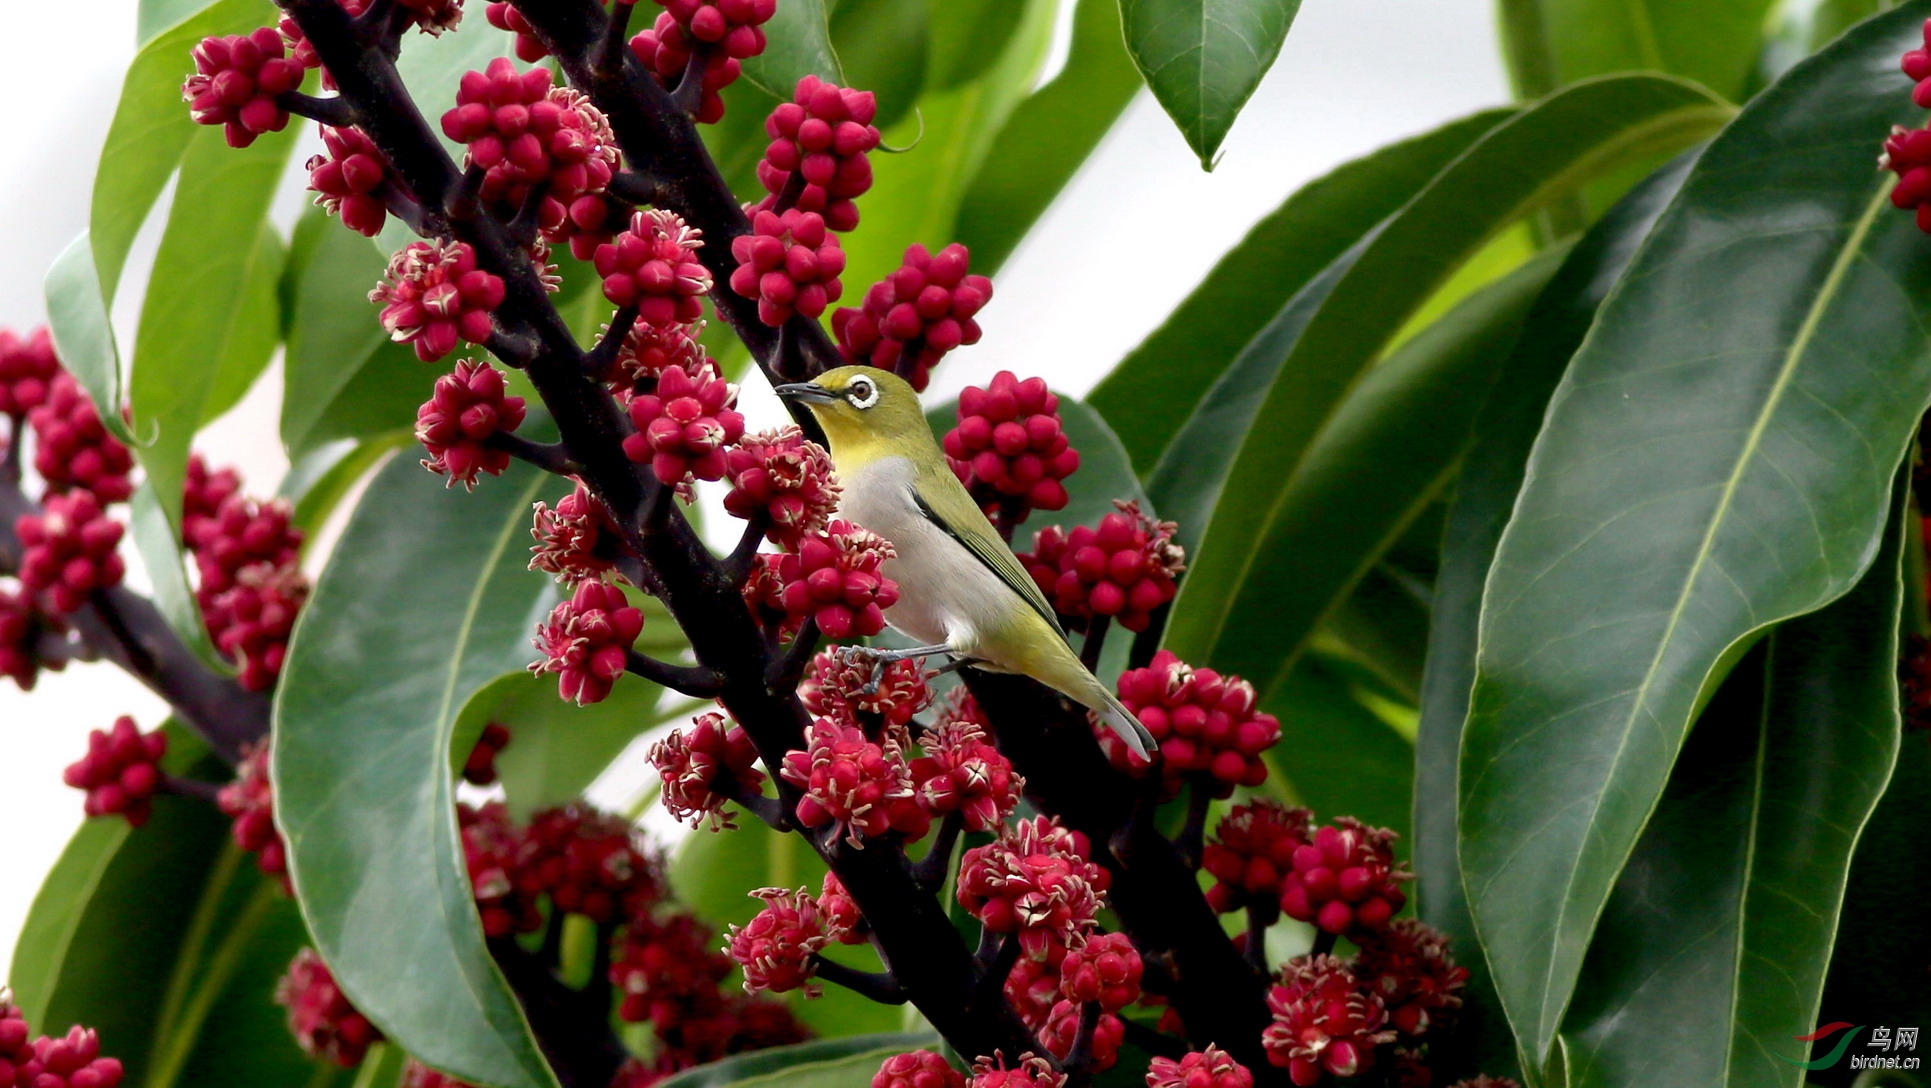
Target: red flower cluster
column 702, row 769
column 776, row 947
column 835, row 687
column 834, row 578
column 587, row 863
column 962, row 772
column 841, row 911
column 785, row 476
column 28, row 367
column 532, row 138
column 1035, row 881
column 1917, row 65
column 573, row 539
column 927, row 307
column 468, row 408
column 1122, row 570
column 1345, row 879
column 251, row 587
column 860, row 788
column 249, row 801
column 506, row 18
column 349, row 179
column 72, row 448
column 1907, row 153
column 668, row 970
column 20, row 631
column 1206, row 723
column 121, row 771
column 479, row 768
column 648, row 351
column 1062, row 1030
column 653, row 266
column 1008, row 448
column 587, row 642
column 70, row 1061
column 1325, row 1021
column 1032, row 1071
column 917, row 1069
column 1209, row 1068
column 816, row 161
column 69, row 551
column 490, row 846
column 1105, row 969
column 323, row 1022
column 1252, row 848
column 236, row 82
column 684, row 426
column 435, row 295
column 789, row 263
column 714, row 34
column 1407, row 965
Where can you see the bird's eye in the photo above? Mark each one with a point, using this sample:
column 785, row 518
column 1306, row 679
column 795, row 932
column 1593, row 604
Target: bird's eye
column 862, row 393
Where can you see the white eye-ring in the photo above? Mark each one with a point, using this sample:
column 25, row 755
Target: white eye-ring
column 862, row 393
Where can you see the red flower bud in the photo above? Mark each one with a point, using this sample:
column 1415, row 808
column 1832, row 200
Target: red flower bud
column 926, row 308
column 121, row 771
column 587, row 642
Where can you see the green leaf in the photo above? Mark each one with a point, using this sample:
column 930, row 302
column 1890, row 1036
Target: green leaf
column 1203, row 58
column 161, row 558
column 1151, row 393
column 1709, row 960
column 319, row 480
column 883, row 45
column 556, row 748
column 1716, row 459
column 915, row 196
column 343, row 376
column 1485, row 491
column 150, row 132
column 1048, row 137
column 1390, row 448
column 832, row 1063
column 83, row 337
column 798, row 45
column 156, row 16
column 425, row 599
column 1715, row 42
column 1383, row 626
column 131, row 928
column 1338, row 757
column 1543, row 152
column 967, row 36
column 211, row 318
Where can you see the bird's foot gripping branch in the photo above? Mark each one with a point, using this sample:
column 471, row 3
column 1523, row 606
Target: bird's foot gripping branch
column 1044, row 945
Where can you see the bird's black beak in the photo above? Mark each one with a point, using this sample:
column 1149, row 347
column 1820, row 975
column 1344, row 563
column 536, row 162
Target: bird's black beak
column 809, row 392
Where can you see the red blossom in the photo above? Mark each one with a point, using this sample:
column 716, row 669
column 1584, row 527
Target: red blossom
column 349, row 179
column 69, row 551
column 588, row 863
column 121, row 771
column 917, row 1069
column 1325, row 1022
column 653, row 266
column 1345, row 879
column 860, row 788
column 720, row 33
column 1029, row 1071
column 236, row 81
column 490, row 846
column 788, row 264
column 962, row 772
column 1252, row 848
column 435, row 296
column 1105, row 969
column 927, row 308
column 1035, row 881
column 1009, row 449
column 786, row 477
column 573, row 539
column 1408, row 966
column 28, row 368
column 249, row 801
column 684, row 425
column 70, row 1061
column 1209, row 1068
column 704, row 767
column 587, row 640
column 1062, row 1029
column 835, row 578
column 667, row 970
column 1122, row 570
column 323, row 1022
column 835, row 687
column 1206, row 724
column 479, row 768
column 21, row 627
column 648, row 351
column 72, row 448
column 776, row 947
column 816, row 160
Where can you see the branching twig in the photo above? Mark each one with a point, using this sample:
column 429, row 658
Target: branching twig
column 552, row 457
column 694, row 680
column 879, row 986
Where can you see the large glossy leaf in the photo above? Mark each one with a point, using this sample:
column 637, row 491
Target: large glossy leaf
column 425, row 600
column 883, row 46
column 343, row 377
column 1049, row 135
column 916, row 195
column 1709, row 960
column 155, row 16
column 1242, row 473
column 77, row 316
column 1715, row 42
column 211, row 317
column 150, row 132
column 1150, row 394
column 1389, row 450
column 1203, row 58
column 833, row 1063
column 1716, row 459
column 556, row 748
column 798, row 44
column 1485, row 490
column 966, row 37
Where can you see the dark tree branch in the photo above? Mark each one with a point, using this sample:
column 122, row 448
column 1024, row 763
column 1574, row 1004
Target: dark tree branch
column 1191, row 842
column 878, row 986
column 786, row 671
column 1261, row 915
column 611, row 343
column 572, row 1026
column 1095, row 643
column 552, row 457
column 1323, row 943
column 746, row 552
column 932, row 870
column 636, row 187
column 190, row 787
column 1079, row 1057
column 697, row 682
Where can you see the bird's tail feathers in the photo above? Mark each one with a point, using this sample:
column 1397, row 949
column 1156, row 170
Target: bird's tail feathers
column 1122, row 722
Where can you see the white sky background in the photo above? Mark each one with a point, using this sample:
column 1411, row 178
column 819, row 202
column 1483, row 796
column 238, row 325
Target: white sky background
column 1138, row 227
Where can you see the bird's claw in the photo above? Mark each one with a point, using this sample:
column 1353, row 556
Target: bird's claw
column 853, row 656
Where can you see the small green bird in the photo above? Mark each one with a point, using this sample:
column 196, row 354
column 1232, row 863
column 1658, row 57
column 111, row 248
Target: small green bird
column 961, row 591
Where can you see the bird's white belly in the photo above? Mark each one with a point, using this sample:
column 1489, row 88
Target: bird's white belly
column 946, row 595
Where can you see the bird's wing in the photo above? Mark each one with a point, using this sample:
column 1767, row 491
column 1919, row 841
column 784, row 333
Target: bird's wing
column 951, row 508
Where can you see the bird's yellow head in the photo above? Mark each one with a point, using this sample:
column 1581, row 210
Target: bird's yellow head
column 866, row 413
